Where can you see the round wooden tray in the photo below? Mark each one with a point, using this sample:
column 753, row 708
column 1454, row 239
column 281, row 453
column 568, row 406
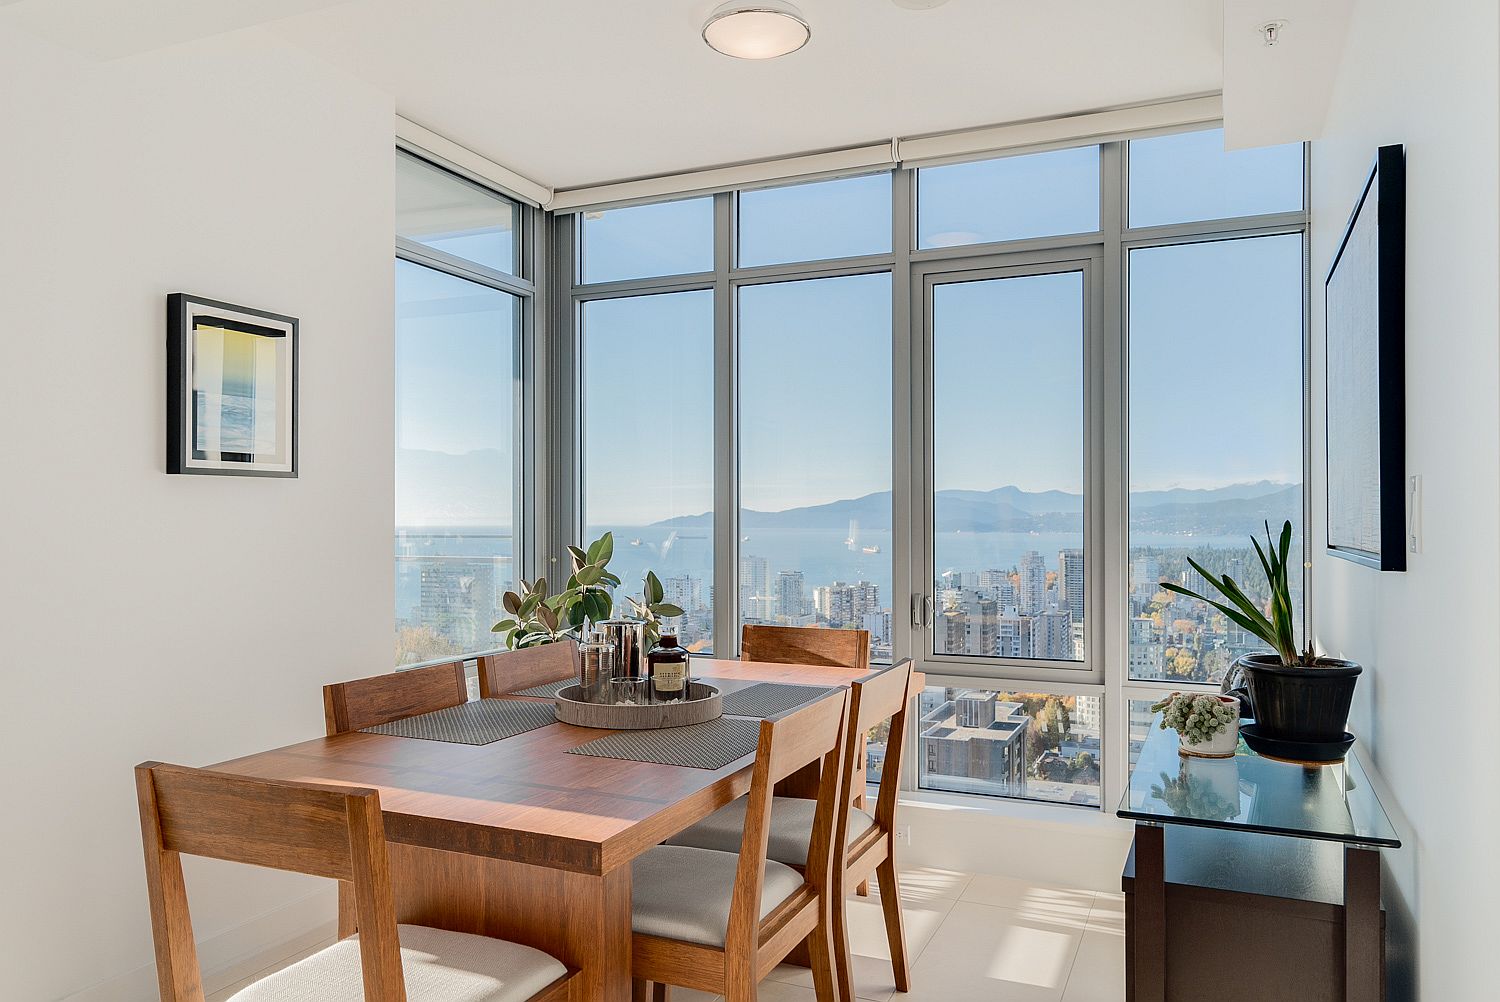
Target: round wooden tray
column 707, row 704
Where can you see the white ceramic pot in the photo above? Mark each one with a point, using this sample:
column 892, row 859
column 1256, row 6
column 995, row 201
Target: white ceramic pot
column 1221, row 745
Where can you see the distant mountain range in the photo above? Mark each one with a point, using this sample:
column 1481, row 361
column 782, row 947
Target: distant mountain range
column 1237, row 509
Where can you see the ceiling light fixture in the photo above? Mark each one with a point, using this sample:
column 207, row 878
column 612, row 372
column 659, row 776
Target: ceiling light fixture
column 756, row 29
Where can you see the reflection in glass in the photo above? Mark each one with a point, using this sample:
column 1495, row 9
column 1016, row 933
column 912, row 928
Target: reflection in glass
column 1190, row 176
column 1008, row 464
column 1211, row 462
column 455, row 441
column 846, row 217
column 648, row 241
column 648, row 446
column 447, row 213
column 1024, row 745
column 815, row 454
column 1012, row 198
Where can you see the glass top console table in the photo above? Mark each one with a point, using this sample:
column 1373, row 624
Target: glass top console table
column 1254, row 849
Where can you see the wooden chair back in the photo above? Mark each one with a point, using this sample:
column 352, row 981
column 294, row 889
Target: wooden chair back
column 885, row 697
column 365, row 702
column 326, row 831
column 788, row 743
column 806, row 645
column 500, row 674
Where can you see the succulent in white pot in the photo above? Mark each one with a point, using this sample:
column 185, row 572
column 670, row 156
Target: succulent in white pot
column 1207, row 725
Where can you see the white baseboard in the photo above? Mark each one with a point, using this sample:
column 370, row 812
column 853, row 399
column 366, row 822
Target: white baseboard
column 238, row 953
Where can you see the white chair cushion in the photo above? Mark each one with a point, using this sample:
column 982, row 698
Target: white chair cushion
column 440, row 966
column 791, row 829
column 682, row 892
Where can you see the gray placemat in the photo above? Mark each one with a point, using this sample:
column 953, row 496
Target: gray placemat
column 476, row 723
column 766, row 699
column 546, row 689
column 698, row 746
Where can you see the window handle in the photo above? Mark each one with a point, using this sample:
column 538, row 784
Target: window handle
column 927, row 611
column 916, row 612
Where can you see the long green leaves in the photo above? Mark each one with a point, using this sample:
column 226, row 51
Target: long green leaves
column 1276, row 626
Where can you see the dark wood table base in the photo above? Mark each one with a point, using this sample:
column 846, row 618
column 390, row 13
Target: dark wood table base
column 1278, row 918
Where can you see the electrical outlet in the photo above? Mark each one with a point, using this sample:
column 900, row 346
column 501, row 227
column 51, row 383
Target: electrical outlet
column 903, row 835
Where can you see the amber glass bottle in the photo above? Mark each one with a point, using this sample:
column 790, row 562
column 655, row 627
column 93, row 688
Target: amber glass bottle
column 667, row 665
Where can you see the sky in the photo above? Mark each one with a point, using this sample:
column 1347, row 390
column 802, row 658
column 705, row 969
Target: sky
column 1215, row 341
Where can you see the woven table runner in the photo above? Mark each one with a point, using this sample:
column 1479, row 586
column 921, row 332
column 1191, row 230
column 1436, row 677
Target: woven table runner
column 698, row 746
column 766, row 699
column 475, row 723
column 546, row 689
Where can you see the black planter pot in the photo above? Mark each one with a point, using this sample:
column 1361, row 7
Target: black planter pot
column 1301, row 703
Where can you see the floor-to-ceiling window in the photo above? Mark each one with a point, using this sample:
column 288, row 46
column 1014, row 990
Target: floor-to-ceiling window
column 462, row 306
column 981, row 409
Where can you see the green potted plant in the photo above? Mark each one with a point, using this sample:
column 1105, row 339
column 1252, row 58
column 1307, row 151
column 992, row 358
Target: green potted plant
column 536, row 617
column 1207, row 725
column 1295, row 695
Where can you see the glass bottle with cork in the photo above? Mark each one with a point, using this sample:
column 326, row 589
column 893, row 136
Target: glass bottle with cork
column 667, row 668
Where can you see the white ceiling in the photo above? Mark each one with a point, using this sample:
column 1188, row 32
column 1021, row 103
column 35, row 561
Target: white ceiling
column 576, row 92
column 572, row 92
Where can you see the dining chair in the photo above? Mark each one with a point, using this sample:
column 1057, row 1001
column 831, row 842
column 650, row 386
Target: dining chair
column 504, row 673
column 814, row 645
column 865, row 843
column 720, row 921
column 325, row 831
column 806, row 645
column 379, row 699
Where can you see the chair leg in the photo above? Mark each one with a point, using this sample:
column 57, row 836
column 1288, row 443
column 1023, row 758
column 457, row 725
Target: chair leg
column 640, row 990
column 348, row 925
column 820, row 950
column 842, row 962
column 895, row 930
column 660, row 992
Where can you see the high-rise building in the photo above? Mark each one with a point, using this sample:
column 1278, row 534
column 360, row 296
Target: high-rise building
column 1145, row 577
column 1013, row 635
column 997, row 585
column 459, row 599
column 1147, row 659
column 754, row 586
column 684, row 591
column 791, row 597
column 981, row 627
column 1070, row 582
column 1052, row 636
column 1032, row 594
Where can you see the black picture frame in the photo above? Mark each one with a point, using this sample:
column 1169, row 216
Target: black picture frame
column 186, row 314
column 1364, row 296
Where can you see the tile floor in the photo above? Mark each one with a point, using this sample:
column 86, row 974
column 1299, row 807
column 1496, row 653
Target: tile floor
column 970, row 937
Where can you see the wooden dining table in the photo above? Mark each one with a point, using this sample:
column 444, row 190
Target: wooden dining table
column 520, row 840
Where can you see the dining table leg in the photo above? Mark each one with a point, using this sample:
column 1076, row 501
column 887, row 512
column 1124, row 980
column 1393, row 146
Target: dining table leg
column 582, row 919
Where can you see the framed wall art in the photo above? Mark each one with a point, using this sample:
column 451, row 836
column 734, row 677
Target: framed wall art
column 1365, row 392
column 231, row 389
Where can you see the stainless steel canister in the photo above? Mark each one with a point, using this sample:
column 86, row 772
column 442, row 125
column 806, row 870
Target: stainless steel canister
column 629, row 638
column 596, row 668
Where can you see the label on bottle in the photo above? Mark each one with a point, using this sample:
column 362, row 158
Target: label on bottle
column 669, row 676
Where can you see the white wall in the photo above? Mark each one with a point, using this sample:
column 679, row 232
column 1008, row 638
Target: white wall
column 1429, row 76
column 189, row 619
